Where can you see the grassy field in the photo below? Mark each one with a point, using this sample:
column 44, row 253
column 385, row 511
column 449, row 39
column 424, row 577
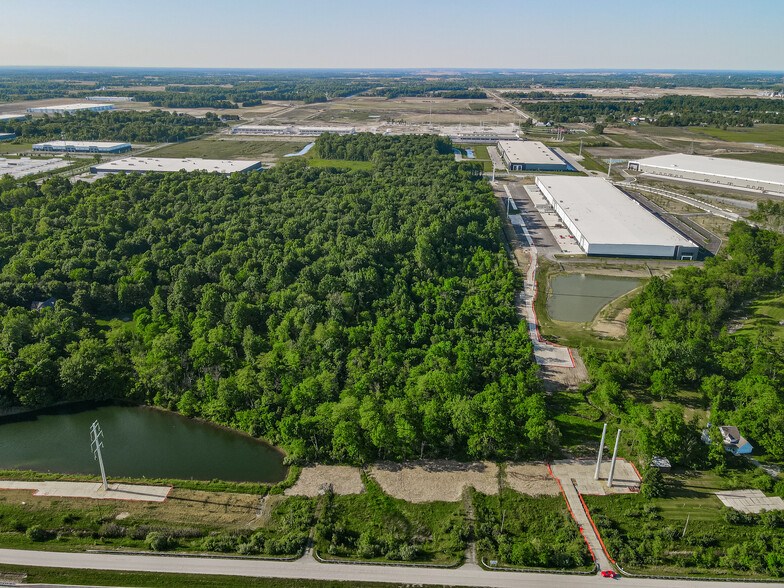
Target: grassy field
column 341, row 163
column 760, row 157
column 211, row 148
column 11, row 147
column 376, row 527
column 538, row 532
column 35, row 575
column 190, row 519
column 652, row 535
column 768, row 312
column 767, row 134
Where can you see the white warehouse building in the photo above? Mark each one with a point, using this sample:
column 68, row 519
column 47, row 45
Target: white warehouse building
column 82, row 146
column 732, row 173
column 605, row 221
column 170, row 164
column 70, row 108
column 530, row 155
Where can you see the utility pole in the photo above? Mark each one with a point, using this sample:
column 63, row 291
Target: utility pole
column 581, row 147
column 96, row 436
column 601, row 450
column 503, row 519
column 686, row 525
column 615, row 456
column 609, row 170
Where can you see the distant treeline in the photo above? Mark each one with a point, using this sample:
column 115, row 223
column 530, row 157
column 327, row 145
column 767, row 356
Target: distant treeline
column 114, row 125
column 667, row 111
column 544, row 95
column 416, row 88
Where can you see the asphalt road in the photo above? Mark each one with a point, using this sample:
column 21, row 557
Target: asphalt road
column 307, row 568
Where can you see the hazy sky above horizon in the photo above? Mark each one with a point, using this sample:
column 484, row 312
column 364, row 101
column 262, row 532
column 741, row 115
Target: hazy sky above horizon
column 662, row 34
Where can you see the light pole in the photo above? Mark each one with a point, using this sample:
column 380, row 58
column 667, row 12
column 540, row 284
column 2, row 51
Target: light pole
column 96, row 436
column 601, row 450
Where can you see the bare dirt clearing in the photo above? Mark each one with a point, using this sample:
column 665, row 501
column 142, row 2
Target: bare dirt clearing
column 532, row 479
column 430, row 481
column 314, row 480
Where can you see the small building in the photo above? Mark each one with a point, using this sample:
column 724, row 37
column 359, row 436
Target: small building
column 734, row 442
column 661, row 463
column 82, row 147
column 7, row 136
column 40, row 305
column 172, row 164
column 70, row 108
column 530, row 156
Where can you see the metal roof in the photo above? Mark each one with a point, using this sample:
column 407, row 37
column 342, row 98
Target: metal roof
column 533, row 152
column 717, row 166
column 166, row 164
column 605, row 215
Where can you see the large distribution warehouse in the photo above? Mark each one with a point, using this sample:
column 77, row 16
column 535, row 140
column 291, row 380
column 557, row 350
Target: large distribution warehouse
column 749, row 175
column 166, row 164
column 82, row 147
column 530, row 156
column 605, row 221
column 70, row 108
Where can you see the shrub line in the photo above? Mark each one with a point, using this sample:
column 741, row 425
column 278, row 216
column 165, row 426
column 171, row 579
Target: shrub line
column 191, row 555
column 490, row 568
column 385, row 563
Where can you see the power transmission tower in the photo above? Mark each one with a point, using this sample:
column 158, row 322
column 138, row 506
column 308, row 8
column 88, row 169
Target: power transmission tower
column 96, row 436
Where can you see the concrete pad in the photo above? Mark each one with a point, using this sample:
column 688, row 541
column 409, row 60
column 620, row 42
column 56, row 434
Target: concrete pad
column 95, row 490
column 750, row 501
column 580, row 472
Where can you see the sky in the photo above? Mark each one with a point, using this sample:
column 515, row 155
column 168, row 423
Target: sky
column 493, row 34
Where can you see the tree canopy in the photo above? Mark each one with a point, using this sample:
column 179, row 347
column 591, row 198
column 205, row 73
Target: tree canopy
column 344, row 314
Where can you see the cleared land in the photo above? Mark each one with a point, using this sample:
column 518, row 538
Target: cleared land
column 532, row 479
column 314, row 480
column 430, row 481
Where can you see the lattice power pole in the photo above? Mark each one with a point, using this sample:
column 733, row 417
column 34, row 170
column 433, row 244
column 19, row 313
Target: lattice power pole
column 96, row 436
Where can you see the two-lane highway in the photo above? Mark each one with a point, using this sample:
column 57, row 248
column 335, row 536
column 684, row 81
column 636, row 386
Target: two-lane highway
column 308, row 568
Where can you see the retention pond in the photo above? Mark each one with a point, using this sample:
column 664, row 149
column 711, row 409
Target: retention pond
column 579, row 297
column 138, row 442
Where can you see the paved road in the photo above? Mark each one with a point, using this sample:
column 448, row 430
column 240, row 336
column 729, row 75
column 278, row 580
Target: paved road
column 310, row 569
column 508, row 104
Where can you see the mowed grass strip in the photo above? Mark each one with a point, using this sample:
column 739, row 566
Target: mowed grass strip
column 341, row 163
column 768, row 313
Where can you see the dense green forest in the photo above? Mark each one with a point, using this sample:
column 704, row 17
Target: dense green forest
column 343, row 314
column 667, row 111
column 678, row 340
column 151, row 126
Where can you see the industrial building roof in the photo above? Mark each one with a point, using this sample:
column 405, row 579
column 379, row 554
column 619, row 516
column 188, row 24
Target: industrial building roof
column 83, row 144
column 606, row 215
column 716, row 166
column 533, row 152
column 11, row 116
column 75, row 106
column 165, row 164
